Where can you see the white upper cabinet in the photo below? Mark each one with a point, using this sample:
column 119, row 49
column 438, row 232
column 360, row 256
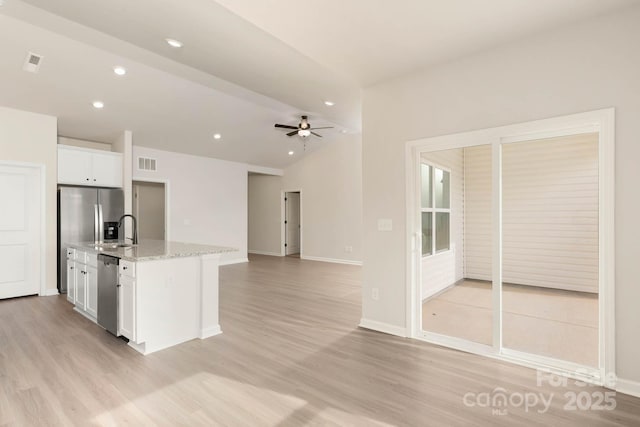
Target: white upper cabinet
column 74, row 166
column 80, row 166
column 107, row 169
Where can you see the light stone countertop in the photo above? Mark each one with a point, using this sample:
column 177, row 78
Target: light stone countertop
column 149, row 250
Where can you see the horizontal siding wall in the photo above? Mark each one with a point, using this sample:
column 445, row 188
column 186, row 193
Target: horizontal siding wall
column 550, row 213
column 477, row 212
column 444, row 269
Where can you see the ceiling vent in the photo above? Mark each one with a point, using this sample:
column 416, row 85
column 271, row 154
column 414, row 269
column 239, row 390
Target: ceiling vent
column 32, row 62
column 146, row 164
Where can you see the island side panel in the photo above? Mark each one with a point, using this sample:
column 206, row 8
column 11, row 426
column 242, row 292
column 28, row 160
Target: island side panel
column 168, row 302
column 209, row 324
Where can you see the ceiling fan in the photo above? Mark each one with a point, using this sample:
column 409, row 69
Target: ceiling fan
column 303, row 129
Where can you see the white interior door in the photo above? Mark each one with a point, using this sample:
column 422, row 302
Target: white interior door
column 20, row 231
column 292, row 209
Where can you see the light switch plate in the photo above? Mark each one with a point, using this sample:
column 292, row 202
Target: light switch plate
column 385, row 224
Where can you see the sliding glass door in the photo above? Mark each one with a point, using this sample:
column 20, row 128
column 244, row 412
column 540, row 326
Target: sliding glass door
column 456, row 259
column 550, row 248
column 510, row 230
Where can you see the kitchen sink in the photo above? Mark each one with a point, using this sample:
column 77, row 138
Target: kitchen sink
column 115, row 245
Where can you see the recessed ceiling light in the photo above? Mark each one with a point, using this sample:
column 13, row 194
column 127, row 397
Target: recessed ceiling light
column 291, row 153
column 98, row 104
column 329, row 103
column 121, row 71
column 174, row 43
column 217, row 136
column 343, row 131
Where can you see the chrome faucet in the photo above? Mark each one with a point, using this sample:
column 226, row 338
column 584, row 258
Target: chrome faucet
column 135, row 226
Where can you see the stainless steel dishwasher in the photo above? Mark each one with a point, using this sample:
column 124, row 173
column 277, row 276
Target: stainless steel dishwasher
column 108, row 293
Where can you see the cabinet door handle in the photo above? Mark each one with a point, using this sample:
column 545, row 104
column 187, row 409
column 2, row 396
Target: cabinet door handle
column 124, row 268
column 70, row 268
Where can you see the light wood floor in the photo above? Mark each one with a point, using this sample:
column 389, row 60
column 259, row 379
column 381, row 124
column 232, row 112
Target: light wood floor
column 548, row 322
column 291, row 355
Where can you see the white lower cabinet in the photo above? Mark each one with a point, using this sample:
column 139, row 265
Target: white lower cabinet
column 91, row 287
column 82, row 282
column 81, row 286
column 71, row 280
column 127, row 307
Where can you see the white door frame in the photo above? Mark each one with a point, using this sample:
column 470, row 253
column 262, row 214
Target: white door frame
column 283, row 215
column 42, row 170
column 601, row 121
column 167, row 211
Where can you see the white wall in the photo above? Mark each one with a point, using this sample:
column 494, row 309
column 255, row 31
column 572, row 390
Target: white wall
column 207, row 198
column 264, row 214
column 74, row 142
column 124, row 144
column 330, row 182
column 444, row 269
column 582, row 67
column 32, row 138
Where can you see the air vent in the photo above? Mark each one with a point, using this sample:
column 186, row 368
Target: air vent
column 32, row 63
column 146, row 164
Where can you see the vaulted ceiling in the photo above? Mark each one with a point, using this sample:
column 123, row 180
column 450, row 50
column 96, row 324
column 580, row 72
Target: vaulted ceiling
column 245, row 64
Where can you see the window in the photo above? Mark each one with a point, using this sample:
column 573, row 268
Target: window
column 435, row 207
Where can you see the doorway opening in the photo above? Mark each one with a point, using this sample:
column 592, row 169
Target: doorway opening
column 291, row 224
column 149, row 206
column 510, row 243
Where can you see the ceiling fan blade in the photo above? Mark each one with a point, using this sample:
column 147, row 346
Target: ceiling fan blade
column 316, row 134
column 326, row 127
column 286, row 126
column 292, row 133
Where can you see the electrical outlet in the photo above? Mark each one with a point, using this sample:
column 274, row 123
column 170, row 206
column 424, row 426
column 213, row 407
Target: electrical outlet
column 375, row 295
column 348, row 249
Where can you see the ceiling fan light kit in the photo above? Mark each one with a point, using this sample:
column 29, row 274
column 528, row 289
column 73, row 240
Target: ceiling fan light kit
column 304, row 129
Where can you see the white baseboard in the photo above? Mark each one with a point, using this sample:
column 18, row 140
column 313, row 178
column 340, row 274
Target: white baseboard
column 210, row 332
column 629, row 387
column 234, row 261
column 334, row 260
column 265, row 253
column 50, row 293
column 383, row 327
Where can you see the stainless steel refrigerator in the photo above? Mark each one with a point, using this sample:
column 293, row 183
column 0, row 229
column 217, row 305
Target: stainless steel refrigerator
column 86, row 215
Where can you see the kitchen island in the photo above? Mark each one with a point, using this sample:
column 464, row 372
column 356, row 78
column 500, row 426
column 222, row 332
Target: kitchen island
column 167, row 292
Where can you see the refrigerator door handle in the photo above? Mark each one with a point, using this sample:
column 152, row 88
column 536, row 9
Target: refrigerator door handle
column 100, row 223
column 96, row 232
